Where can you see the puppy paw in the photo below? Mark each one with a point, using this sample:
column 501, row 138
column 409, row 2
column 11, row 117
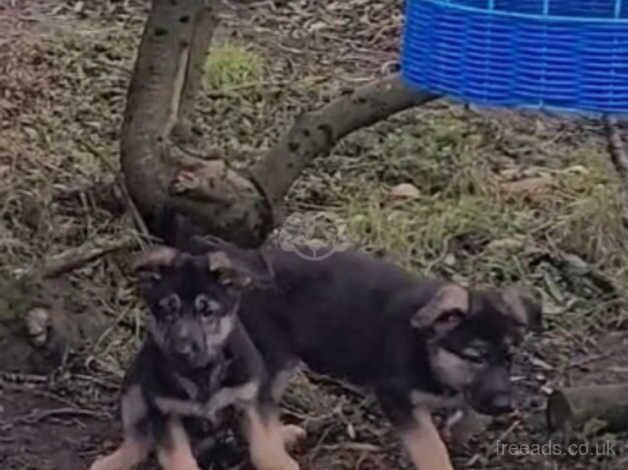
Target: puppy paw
column 104, row 463
column 292, row 434
column 98, row 464
column 288, row 464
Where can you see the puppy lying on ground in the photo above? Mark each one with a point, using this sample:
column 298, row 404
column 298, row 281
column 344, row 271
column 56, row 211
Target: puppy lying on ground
column 417, row 343
column 196, row 354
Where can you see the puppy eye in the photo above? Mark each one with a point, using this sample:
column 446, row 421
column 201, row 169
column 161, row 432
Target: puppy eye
column 206, row 306
column 475, row 355
column 170, row 305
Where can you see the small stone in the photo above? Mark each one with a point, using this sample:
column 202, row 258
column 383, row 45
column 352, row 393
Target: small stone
column 405, row 190
column 450, row 260
column 351, row 431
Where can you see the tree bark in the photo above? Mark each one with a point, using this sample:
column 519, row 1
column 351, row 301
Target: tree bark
column 205, row 24
column 154, row 100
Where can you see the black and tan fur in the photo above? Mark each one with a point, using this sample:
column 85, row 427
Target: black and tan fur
column 196, row 355
column 418, row 344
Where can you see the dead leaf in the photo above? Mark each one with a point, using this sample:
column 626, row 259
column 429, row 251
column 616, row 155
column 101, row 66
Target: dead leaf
column 506, row 244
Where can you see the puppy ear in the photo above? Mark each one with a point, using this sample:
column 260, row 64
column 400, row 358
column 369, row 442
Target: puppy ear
column 147, row 265
column 446, row 309
column 241, row 270
column 523, row 307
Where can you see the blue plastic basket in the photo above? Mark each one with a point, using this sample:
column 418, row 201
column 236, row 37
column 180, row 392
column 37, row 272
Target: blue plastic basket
column 564, row 55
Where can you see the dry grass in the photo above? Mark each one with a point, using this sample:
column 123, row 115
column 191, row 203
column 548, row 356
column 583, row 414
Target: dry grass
column 58, row 158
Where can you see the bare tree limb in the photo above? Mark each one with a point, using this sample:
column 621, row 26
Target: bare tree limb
column 243, row 215
column 315, row 133
column 153, row 99
column 204, row 27
column 219, row 200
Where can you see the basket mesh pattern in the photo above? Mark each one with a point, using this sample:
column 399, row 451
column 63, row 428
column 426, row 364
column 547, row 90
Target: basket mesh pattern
column 565, row 55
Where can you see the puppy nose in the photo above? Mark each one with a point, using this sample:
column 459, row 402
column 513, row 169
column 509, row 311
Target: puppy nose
column 185, row 349
column 502, row 403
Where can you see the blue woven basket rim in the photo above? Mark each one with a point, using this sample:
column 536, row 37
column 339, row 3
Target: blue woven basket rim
column 526, row 16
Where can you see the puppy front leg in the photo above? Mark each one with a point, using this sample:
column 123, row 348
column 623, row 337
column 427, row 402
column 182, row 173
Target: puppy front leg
column 423, row 443
column 174, row 451
column 416, row 428
column 265, row 436
column 136, row 445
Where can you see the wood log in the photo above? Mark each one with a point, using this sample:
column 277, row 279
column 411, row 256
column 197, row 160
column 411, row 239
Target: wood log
column 571, row 408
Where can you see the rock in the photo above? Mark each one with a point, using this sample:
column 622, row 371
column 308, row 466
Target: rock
column 405, row 190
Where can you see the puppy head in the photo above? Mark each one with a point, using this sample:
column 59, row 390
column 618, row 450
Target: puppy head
column 470, row 336
column 192, row 300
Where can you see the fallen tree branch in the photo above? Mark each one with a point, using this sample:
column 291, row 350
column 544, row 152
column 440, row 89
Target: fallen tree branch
column 570, row 408
column 316, row 133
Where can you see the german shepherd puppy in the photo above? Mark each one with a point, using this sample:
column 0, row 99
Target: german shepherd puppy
column 418, row 344
column 196, row 356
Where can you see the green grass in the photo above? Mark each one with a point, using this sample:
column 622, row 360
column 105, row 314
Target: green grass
column 232, row 65
column 465, row 224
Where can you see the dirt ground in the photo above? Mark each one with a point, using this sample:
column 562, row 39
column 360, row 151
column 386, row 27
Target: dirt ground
column 502, row 197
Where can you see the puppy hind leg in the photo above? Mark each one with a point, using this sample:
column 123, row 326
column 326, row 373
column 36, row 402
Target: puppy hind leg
column 173, row 450
column 290, row 432
column 266, row 440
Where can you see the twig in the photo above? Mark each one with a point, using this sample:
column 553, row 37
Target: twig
column 16, row 378
column 353, row 446
column 500, row 438
column 588, row 360
column 617, row 149
column 132, row 208
column 76, row 257
column 40, row 415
